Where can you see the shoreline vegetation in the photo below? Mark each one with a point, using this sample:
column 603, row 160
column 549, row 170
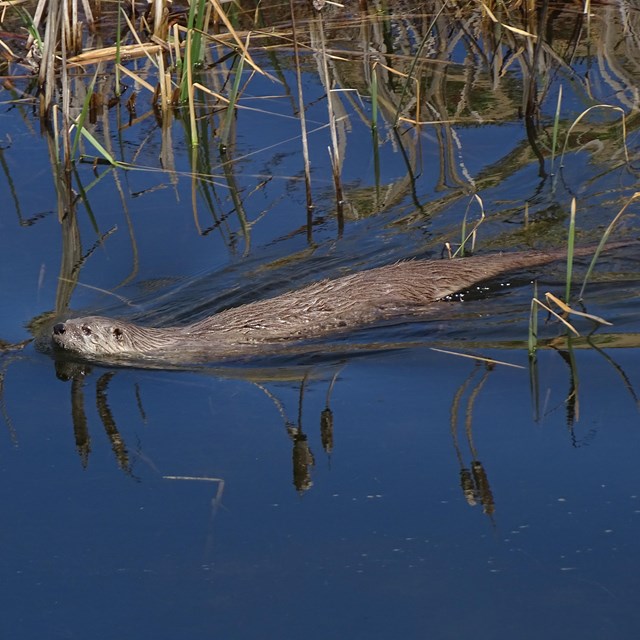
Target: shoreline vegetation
column 399, row 67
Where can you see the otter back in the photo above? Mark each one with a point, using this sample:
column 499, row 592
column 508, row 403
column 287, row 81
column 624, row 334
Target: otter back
column 335, row 305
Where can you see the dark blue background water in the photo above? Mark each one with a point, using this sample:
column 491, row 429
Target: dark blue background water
column 162, row 503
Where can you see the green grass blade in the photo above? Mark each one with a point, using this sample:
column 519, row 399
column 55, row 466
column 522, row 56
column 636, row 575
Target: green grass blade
column 570, row 248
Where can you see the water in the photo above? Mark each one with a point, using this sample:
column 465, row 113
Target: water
column 370, row 487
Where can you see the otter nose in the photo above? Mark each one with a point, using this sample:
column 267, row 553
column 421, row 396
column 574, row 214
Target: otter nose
column 59, row 328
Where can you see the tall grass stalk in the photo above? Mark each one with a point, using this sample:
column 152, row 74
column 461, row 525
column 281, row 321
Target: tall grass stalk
column 220, row 13
column 464, row 236
column 374, row 130
column 571, row 241
column 556, row 123
column 191, row 90
column 46, row 75
column 334, row 150
column 118, row 63
column 83, row 115
column 160, row 29
column 532, row 341
column 303, row 124
column 194, row 51
column 230, row 113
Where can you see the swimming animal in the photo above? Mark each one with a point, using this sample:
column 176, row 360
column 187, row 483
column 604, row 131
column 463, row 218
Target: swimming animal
column 401, row 290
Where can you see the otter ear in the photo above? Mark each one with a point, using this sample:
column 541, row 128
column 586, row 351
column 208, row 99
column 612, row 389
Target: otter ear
column 117, row 333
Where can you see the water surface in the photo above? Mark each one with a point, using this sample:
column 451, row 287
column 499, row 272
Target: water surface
column 369, row 487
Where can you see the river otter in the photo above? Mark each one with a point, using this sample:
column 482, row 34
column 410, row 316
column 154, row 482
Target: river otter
column 404, row 289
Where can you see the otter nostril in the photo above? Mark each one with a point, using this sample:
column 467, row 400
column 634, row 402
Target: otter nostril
column 58, row 329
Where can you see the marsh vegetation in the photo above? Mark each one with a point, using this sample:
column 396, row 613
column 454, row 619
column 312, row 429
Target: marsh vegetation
column 163, row 161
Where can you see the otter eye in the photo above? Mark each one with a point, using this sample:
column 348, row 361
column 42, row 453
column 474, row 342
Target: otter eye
column 117, row 334
column 86, row 330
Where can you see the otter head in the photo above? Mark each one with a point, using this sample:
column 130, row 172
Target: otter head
column 95, row 336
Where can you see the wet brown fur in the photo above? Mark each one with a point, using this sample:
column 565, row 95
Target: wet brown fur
column 400, row 290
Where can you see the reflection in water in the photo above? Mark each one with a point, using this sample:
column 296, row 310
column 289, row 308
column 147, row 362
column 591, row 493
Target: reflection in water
column 571, row 401
column 77, row 374
column 216, row 502
column 326, row 419
column 117, row 443
column 303, row 459
column 326, row 430
column 5, row 414
column 474, row 481
column 9, row 353
column 302, row 456
column 79, row 418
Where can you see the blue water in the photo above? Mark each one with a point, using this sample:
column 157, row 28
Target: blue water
column 447, row 499
column 383, row 543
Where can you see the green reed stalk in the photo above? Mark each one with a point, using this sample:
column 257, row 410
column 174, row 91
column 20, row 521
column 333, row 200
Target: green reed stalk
column 556, row 123
column 571, row 239
column 191, row 91
column 83, row 115
column 195, row 51
column 374, row 131
column 233, row 99
column 303, row 125
column 80, row 130
column 334, row 151
column 118, row 43
column 46, row 74
column 532, row 341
